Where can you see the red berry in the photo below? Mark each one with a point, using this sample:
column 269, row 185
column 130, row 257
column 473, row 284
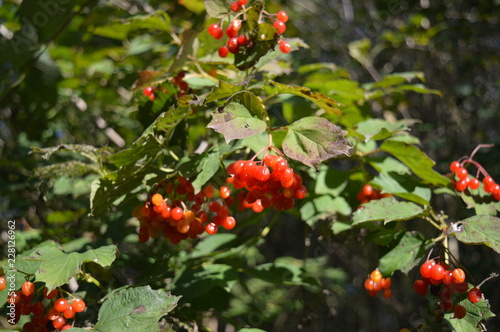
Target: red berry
column 232, row 45
column 211, row 228
column 459, row 311
column 475, row 295
column 65, row 327
column 474, row 183
column 461, row 173
column 437, row 272
column 157, row 199
column 385, row 283
column 285, row 47
column 387, row 293
column 37, row 308
column 262, row 173
column 228, row 223
column 59, row 322
column 367, row 190
column 148, row 91
column 425, row 269
column 454, row 166
column 224, row 192
column 69, row 313
column 235, row 6
column 61, row 304
column 209, row 191
column 369, row 284
column 51, row 295
column 215, row 31
column 177, row 213
column 458, row 275
column 78, row 305
column 376, row 275
column 488, row 182
column 461, row 185
column 242, row 40
column 420, row 287
column 223, row 51
column 282, row 16
column 243, row 2
column 28, row 288
column 280, row 25
column 270, row 160
column 3, row 284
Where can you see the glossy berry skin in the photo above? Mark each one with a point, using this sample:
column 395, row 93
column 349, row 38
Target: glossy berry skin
column 437, row 272
column 59, row 322
column 148, row 91
column 51, row 295
column 454, row 166
column 282, row 16
column 474, row 183
column 215, row 31
column 285, row 47
column 78, row 305
column 461, row 173
column 461, row 185
column 3, row 284
column 376, row 275
column 367, row 190
column 425, row 269
column 223, row 51
column 61, row 304
column 475, row 295
column 458, row 275
column 280, row 25
column 28, row 288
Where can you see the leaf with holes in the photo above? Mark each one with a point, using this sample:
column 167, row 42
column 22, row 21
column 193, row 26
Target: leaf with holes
column 478, row 230
column 240, row 117
column 134, row 309
column 312, row 140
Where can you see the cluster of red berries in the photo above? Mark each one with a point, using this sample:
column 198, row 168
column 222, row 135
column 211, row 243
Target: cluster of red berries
column 367, row 193
column 267, row 183
column 42, row 320
column 236, row 39
column 464, row 181
column 446, row 283
column 178, row 80
column 376, row 283
column 184, row 214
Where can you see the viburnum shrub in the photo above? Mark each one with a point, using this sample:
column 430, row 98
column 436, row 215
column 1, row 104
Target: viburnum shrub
column 243, row 186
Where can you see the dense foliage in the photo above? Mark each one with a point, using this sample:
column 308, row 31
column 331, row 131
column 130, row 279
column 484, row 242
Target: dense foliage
column 189, row 166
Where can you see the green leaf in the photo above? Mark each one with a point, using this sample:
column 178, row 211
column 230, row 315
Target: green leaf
column 478, row 230
column 323, row 207
column 134, row 309
column 223, row 90
column 419, row 88
column 476, row 313
column 57, row 267
column 378, row 129
column 416, row 160
column 216, row 8
column 200, row 168
column 404, row 186
column 120, row 29
column 148, row 143
column 312, row 140
column 213, row 243
column 239, row 118
column 387, row 209
column 194, row 282
column 407, row 253
column 324, row 102
column 88, row 151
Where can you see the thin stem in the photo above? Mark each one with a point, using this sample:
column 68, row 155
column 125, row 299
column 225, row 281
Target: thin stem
column 493, row 275
column 479, row 147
